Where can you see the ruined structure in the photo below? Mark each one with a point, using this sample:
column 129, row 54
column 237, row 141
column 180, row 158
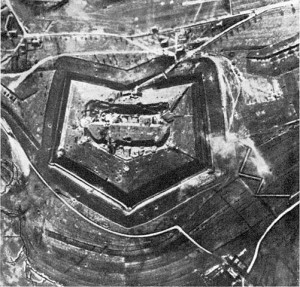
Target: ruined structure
column 150, row 143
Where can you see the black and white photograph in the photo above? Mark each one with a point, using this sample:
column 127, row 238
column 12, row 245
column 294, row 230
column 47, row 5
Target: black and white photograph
column 149, row 143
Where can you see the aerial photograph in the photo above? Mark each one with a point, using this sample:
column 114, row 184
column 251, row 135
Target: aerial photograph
column 149, row 143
